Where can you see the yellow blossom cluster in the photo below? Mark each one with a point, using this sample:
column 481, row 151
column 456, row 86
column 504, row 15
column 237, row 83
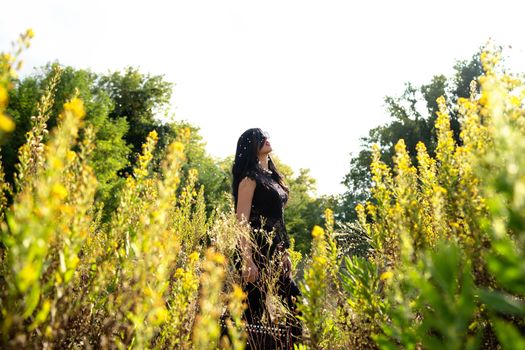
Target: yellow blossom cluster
column 9, row 65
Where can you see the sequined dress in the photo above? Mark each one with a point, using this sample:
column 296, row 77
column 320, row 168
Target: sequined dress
column 267, row 217
column 269, row 232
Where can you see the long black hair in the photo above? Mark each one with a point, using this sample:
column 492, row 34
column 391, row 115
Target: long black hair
column 246, row 160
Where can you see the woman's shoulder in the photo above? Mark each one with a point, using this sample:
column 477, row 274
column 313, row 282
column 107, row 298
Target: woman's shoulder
column 247, row 181
column 253, row 175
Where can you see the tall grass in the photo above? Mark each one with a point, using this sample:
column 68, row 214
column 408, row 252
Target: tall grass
column 443, row 265
column 71, row 281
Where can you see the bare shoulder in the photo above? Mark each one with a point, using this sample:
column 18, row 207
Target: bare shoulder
column 247, row 183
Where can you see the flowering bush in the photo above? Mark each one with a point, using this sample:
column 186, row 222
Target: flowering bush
column 69, row 280
column 439, row 261
column 449, row 230
column 444, row 267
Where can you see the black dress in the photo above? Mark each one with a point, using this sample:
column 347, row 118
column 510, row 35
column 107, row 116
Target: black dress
column 267, row 218
column 271, row 239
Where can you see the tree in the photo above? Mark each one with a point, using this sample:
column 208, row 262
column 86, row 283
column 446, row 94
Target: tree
column 413, row 115
column 213, row 173
column 139, row 99
column 110, row 153
column 303, row 211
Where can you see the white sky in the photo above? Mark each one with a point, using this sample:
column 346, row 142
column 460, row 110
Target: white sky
column 311, row 73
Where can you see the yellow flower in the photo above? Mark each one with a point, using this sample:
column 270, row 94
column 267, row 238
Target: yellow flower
column 59, row 191
column 6, row 58
column 6, row 124
column 194, row 257
column 178, row 146
column 56, row 163
column 75, row 106
column 454, row 224
column 213, row 257
column 3, row 97
column 371, row 209
column 386, row 275
column 66, row 209
column 238, row 292
column 329, row 215
column 71, row 155
column 158, row 316
column 218, row 258
column 30, row 34
column 27, row 276
column 317, row 232
column 321, row 260
column 153, row 136
column 483, row 100
column 513, row 99
column 58, row 278
column 186, row 132
column 44, row 311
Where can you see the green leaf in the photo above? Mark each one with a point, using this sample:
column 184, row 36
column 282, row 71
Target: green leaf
column 507, row 267
column 501, row 302
column 31, row 301
column 41, row 316
column 474, row 343
column 509, row 337
column 384, row 343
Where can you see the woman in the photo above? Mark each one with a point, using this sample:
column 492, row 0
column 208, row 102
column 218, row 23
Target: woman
column 260, row 196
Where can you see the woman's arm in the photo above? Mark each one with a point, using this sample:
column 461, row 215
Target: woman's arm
column 244, row 206
column 244, row 198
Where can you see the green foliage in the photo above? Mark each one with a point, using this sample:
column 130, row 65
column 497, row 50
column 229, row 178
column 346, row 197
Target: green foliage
column 509, row 336
column 363, row 286
column 441, row 264
column 207, row 331
column 449, row 232
column 70, row 278
column 39, row 262
column 110, row 153
column 503, row 171
column 303, row 210
column 122, row 107
column 213, row 174
column 10, row 63
column 352, row 240
column 436, row 297
column 139, row 98
column 320, row 290
column 411, row 122
column 436, row 259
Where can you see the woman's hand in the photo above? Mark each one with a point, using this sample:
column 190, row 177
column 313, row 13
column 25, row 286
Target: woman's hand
column 250, row 272
column 287, row 265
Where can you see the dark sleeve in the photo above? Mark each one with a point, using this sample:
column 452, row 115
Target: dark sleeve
column 252, row 175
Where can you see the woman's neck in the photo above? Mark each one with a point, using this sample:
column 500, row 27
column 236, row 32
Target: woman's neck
column 263, row 161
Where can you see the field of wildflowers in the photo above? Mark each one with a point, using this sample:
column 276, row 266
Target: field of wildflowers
column 443, row 268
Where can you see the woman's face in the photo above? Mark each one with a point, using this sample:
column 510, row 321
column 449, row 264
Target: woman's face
column 266, row 147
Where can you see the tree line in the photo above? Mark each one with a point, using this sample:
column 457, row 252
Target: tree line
column 125, row 106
